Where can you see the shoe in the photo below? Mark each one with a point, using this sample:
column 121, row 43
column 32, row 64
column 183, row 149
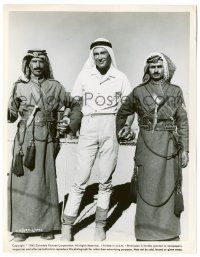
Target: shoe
column 177, row 238
column 66, row 233
column 47, row 236
column 20, row 237
column 100, row 233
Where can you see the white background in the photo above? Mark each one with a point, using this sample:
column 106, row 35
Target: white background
column 125, row 64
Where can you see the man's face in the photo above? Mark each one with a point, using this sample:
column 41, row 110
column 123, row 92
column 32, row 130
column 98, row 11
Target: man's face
column 156, row 70
column 37, row 66
column 102, row 58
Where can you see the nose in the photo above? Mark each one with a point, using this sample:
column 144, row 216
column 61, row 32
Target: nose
column 38, row 64
column 156, row 69
column 100, row 56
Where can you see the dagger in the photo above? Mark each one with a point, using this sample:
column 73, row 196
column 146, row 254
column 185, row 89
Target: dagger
column 31, row 117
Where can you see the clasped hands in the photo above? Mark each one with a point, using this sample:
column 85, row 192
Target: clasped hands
column 126, row 133
column 63, row 127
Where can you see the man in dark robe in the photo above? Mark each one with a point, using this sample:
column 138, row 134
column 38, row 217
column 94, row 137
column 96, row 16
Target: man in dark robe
column 37, row 98
column 161, row 150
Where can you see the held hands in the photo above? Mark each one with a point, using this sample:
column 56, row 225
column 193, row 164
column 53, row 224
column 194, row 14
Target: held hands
column 126, row 133
column 184, row 159
column 63, row 125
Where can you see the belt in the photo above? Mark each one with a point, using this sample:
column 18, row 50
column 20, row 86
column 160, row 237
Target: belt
column 41, row 117
column 159, row 127
column 99, row 114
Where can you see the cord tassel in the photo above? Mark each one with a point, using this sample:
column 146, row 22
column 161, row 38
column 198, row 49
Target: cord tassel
column 17, row 168
column 30, row 156
column 134, row 184
column 178, row 201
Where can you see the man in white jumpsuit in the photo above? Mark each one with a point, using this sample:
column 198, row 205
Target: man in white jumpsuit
column 102, row 88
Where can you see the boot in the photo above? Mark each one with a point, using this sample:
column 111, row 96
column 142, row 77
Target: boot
column 100, row 233
column 20, row 237
column 47, row 235
column 100, row 220
column 67, row 225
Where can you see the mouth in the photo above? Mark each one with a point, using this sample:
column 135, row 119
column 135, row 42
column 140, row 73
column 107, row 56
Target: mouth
column 101, row 62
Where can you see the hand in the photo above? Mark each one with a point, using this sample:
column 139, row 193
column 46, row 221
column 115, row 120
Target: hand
column 63, row 125
column 126, row 133
column 184, row 159
column 71, row 136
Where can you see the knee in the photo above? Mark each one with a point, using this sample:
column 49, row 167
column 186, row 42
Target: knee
column 106, row 187
column 78, row 188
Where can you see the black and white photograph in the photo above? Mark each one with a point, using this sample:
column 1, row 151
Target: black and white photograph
column 100, row 129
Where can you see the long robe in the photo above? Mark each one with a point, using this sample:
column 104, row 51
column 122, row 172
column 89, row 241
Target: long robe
column 33, row 198
column 157, row 176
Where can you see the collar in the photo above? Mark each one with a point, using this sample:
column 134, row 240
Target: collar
column 112, row 72
column 37, row 80
column 161, row 82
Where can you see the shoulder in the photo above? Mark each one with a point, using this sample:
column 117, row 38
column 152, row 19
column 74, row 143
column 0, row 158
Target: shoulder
column 53, row 81
column 174, row 89
column 138, row 89
column 118, row 73
column 57, row 85
column 19, row 84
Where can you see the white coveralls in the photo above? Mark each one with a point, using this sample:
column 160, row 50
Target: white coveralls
column 102, row 96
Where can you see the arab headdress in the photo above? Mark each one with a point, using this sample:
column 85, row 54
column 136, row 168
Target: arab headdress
column 169, row 67
column 35, row 53
column 99, row 42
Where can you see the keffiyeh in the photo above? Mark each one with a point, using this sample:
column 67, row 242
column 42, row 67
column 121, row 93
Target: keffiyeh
column 169, row 67
column 35, row 53
column 99, row 42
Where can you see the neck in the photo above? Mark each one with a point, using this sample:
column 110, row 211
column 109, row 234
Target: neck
column 157, row 82
column 37, row 77
column 103, row 71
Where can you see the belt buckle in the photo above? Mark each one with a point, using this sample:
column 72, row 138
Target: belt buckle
column 145, row 126
column 40, row 123
column 169, row 127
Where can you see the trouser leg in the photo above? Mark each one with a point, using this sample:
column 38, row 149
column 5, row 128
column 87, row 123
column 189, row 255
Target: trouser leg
column 67, row 224
column 107, row 163
column 86, row 153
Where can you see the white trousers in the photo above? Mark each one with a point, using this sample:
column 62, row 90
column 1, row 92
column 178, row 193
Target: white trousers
column 97, row 134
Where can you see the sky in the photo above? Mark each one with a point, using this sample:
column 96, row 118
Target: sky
column 67, row 36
